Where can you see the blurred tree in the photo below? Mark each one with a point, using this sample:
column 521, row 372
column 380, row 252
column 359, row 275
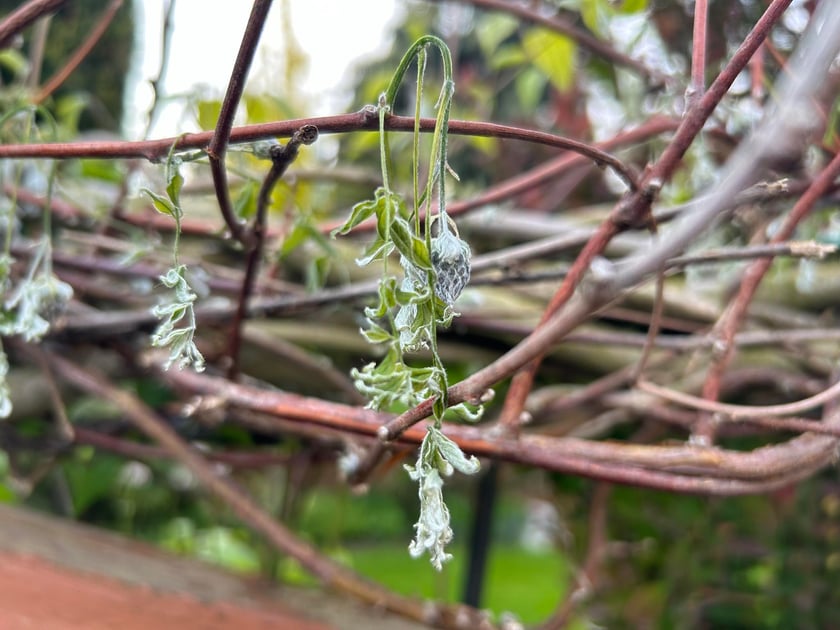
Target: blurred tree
column 98, row 82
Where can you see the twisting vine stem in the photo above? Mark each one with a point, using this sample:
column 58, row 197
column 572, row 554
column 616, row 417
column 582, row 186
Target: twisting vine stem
column 436, row 266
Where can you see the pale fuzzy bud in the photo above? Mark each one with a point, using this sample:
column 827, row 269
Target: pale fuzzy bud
column 433, row 530
column 451, row 260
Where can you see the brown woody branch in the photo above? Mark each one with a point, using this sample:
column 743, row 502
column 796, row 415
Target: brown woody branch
column 633, row 212
column 333, row 574
column 80, row 53
column 25, row 15
column 221, row 135
column 363, row 120
column 683, row 468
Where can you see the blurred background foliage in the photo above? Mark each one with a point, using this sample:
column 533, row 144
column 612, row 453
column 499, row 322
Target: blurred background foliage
column 671, row 561
column 94, row 92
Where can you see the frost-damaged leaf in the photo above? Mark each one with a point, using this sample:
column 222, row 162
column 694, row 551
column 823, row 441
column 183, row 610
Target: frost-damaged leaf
column 376, row 250
column 387, row 299
column 453, row 454
column 376, row 334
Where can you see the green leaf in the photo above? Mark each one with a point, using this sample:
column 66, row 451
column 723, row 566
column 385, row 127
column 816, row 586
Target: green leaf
column 401, row 235
column 552, row 53
column 263, row 108
column 13, row 61
column 7, row 495
column 596, row 14
column 69, row 109
column 383, row 205
column 245, row 202
column 90, row 478
column 508, row 56
column 833, row 123
column 410, row 246
column 529, row 86
column 317, row 271
column 300, row 233
column 453, row 454
column 222, row 546
column 463, row 413
column 633, row 6
column 408, row 297
column 592, row 14
column 103, row 170
column 163, row 204
column 438, row 408
column 492, row 29
column 175, row 181
column 208, row 113
column 360, row 212
column 376, row 334
column 387, row 299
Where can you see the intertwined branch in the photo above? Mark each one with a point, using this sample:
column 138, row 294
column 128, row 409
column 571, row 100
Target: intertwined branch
column 592, row 285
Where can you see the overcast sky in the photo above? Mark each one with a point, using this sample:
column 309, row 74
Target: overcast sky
column 206, row 38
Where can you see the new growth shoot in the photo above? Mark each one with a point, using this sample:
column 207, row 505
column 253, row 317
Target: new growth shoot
column 435, row 267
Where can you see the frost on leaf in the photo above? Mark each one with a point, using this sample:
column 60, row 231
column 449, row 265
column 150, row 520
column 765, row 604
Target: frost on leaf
column 179, row 340
column 439, row 457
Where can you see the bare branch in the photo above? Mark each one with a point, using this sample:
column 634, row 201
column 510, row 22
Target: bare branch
column 25, row 15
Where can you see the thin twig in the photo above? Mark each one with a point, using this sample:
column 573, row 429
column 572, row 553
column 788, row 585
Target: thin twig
column 363, row 120
column 680, row 342
column 757, row 74
column 655, row 323
column 80, row 53
column 65, row 427
column 731, row 320
column 740, row 412
column 697, row 84
column 711, row 470
column 587, row 577
column 221, row 136
column 158, row 81
column 284, row 540
column 281, row 158
column 634, row 210
column 138, row 450
column 769, row 139
column 287, row 352
column 793, row 249
column 523, row 380
column 37, row 47
column 25, row 15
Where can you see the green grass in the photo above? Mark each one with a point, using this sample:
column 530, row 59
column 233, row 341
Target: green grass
column 525, row 583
